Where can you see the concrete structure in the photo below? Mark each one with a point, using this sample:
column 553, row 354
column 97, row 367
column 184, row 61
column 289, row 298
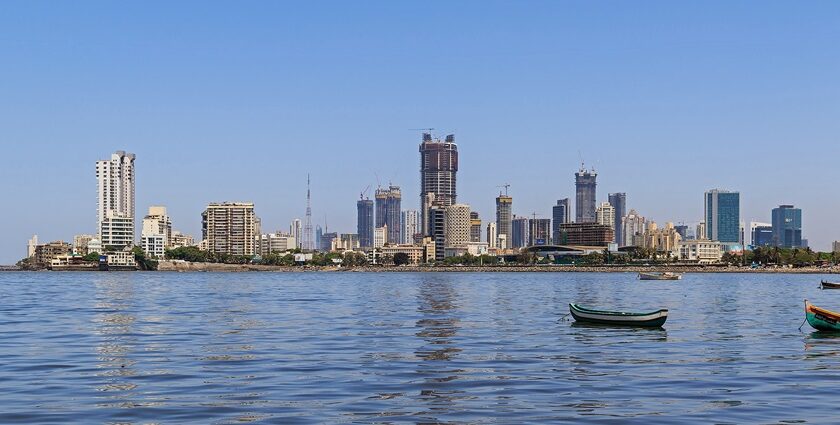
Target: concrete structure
column 438, row 174
column 519, row 232
column 472, row 248
column 619, row 203
column 702, row 251
column 585, row 191
column 156, row 233
column 722, row 216
column 560, row 213
column 388, row 209
column 539, row 231
column 504, row 217
column 347, row 242
column 115, row 196
column 437, row 230
column 31, row 245
column 44, row 254
column 701, row 231
column 475, row 227
column 586, row 234
column 116, row 231
column 663, row 240
column 835, row 246
column 416, row 253
column 492, row 235
column 682, row 229
column 787, row 226
column 605, row 214
column 502, row 242
column 411, row 227
column 364, row 222
column 121, row 260
column 328, row 240
column 634, row 226
column 380, row 236
column 230, row 228
column 296, row 231
column 180, row 240
column 276, row 243
column 81, row 244
column 457, row 225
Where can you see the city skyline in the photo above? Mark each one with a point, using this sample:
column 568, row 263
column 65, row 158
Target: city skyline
column 662, row 113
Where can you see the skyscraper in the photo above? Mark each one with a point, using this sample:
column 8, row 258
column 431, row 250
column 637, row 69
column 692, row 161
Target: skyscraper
column 457, row 225
column 475, row 227
column 492, row 236
column 438, row 169
column 388, row 209
column 115, row 209
column 787, row 226
column 539, row 231
column 364, row 222
column 230, row 228
column 560, row 214
column 410, row 223
column 619, row 202
column 504, row 216
column 437, row 230
column 296, row 231
column 722, row 214
column 519, row 232
column 634, row 228
column 585, row 195
column 605, row 214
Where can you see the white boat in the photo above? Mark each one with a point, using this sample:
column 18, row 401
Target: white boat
column 659, row 276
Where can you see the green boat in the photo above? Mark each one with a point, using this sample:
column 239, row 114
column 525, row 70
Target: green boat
column 822, row 319
column 654, row 319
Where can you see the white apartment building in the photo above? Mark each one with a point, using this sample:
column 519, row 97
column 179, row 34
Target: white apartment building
column 410, row 222
column 115, row 199
column 634, row 226
column 275, row 243
column 180, row 240
column 492, row 237
column 380, row 235
column 457, row 225
column 703, row 251
column 296, row 231
column 230, row 228
column 157, row 232
column 605, row 214
column 81, row 244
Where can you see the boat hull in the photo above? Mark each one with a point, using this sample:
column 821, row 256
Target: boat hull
column 822, row 319
column 829, row 285
column 647, row 320
column 659, row 276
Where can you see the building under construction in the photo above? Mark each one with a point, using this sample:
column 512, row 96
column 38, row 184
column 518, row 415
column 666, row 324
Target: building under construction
column 585, row 201
column 388, row 208
column 438, row 169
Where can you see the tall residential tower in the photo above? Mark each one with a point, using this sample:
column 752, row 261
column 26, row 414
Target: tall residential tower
column 585, row 195
column 438, row 169
column 115, row 210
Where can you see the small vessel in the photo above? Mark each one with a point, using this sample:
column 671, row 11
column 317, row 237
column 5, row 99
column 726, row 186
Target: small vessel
column 829, row 285
column 821, row 319
column 654, row 319
column 659, row 276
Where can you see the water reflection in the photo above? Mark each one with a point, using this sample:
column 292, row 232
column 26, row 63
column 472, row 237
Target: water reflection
column 114, row 325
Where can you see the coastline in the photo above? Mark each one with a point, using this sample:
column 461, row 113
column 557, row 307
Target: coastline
column 179, row 266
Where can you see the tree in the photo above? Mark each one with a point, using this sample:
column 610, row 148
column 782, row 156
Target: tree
column 91, row 256
column 401, row 258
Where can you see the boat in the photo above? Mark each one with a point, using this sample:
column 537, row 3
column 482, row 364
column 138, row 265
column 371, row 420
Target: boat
column 822, row 319
column 654, row 319
column 829, row 285
column 659, row 276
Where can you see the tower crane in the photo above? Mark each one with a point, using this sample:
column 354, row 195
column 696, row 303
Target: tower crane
column 506, row 186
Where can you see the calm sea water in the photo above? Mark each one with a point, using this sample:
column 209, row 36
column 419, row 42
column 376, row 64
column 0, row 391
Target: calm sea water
column 409, row 348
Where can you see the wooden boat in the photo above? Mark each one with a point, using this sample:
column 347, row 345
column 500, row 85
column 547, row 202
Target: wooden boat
column 652, row 319
column 829, row 285
column 822, row 319
column 659, row 276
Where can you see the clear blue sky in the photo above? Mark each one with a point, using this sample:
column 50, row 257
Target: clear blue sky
column 239, row 100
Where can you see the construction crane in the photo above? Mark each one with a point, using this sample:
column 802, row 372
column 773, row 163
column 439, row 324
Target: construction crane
column 506, row 186
column 364, row 192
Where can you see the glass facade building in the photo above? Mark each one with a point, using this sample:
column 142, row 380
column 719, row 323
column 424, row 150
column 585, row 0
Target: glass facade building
column 722, row 214
column 787, row 226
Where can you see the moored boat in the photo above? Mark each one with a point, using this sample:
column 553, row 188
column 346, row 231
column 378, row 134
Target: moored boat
column 822, row 319
column 829, row 285
column 659, row 276
column 654, row 319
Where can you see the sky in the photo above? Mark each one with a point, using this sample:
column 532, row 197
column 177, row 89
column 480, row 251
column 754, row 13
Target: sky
column 238, row 101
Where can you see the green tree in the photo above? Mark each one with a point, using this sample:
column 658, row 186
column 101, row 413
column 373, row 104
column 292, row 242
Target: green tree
column 91, row 256
column 401, row 258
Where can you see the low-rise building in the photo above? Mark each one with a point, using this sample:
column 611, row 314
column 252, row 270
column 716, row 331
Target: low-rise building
column 662, row 239
column 587, row 234
column 121, row 260
column 81, row 244
column 44, row 254
column 702, row 251
column 275, row 243
column 180, row 240
column 415, row 252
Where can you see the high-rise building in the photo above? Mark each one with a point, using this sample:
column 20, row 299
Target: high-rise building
column 682, row 229
column 587, row 234
column 701, row 231
column 722, row 214
column 539, row 231
column 31, row 245
column 411, row 229
column 457, row 223
column 380, row 236
column 115, row 200
column 762, row 236
column 619, row 203
column 560, row 213
column 605, row 214
column 81, row 244
column 388, row 209
column 438, row 170
column 835, row 246
column 364, row 222
column 437, row 230
column 156, row 233
column 787, row 226
column 319, row 231
column 519, row 232
column 585, row 195
column 665, row 240
column 230, row 228
column 634, row 228
column 492, row 235
column 504, row 217
column 475, row 227
column 296, row 231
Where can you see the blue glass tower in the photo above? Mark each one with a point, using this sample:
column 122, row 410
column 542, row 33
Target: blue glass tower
column 787, row 226
column 722, row 213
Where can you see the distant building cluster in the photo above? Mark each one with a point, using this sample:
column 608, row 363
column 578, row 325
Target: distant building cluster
column 441, row 227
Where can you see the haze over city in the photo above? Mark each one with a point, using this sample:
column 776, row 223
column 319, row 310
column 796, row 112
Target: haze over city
column 233, row 104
